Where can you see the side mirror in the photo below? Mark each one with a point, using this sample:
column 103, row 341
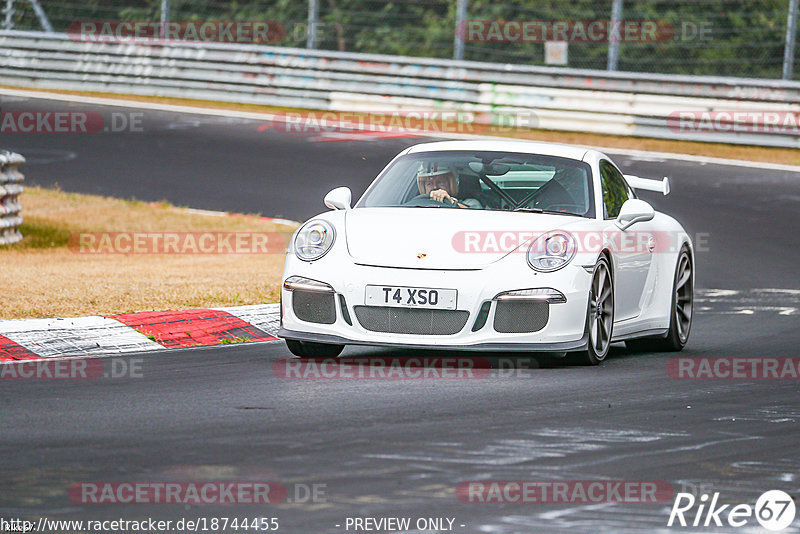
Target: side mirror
column 339, row 198
column 634, row 211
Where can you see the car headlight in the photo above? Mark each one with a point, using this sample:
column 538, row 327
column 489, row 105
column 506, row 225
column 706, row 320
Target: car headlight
column 551, row 251
column 314, row 240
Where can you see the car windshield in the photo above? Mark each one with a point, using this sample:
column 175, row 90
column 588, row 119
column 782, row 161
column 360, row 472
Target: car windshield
column 495, row 181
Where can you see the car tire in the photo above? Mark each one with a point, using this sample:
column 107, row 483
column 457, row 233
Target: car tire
column 309, row 349
column 681, row 307
column 599, row 316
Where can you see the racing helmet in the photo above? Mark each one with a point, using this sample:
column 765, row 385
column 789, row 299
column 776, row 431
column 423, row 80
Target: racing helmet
column 429, row 169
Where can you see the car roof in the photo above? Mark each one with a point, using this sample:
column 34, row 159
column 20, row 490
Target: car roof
column 524, row 147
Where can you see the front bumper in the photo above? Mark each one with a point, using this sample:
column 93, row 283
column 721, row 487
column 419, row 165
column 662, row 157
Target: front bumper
column 564, row 330
column 565, row 346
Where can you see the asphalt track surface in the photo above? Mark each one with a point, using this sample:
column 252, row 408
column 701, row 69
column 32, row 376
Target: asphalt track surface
column 389, row 448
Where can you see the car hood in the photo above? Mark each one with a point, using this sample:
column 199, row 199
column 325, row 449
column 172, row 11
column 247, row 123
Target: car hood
column 442, row 238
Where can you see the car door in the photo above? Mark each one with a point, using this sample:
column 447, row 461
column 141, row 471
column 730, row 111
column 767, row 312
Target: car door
column 632, row 248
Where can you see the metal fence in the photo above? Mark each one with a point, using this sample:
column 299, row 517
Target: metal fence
column 603, row 102
column 740, row 38
column 10, row 189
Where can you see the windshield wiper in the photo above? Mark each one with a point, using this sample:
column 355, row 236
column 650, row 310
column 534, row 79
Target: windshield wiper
column 434, row 206
column 540, row 210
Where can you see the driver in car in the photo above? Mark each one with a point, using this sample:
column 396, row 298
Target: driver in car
column 439, row 182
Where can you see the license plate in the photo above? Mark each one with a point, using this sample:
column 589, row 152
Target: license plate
column 411, row 297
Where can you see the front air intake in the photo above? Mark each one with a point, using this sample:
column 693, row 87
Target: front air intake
column 521, row 316
column 314, row 306
column 411, row 320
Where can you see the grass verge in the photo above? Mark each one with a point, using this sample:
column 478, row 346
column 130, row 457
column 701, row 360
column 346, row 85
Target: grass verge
column 44, row 275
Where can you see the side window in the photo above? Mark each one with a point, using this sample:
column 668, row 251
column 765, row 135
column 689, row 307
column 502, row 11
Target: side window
column 615, row 190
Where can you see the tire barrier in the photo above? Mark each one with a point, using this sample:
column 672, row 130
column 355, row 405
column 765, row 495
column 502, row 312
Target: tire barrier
column 10, row 190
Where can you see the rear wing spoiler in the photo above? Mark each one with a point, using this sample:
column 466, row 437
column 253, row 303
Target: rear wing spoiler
column 646, row 184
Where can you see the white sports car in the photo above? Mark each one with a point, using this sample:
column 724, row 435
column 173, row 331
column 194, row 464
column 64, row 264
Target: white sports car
column 491, row 246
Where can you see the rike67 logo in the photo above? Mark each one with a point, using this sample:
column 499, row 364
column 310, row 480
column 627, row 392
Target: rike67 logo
column 774, row 510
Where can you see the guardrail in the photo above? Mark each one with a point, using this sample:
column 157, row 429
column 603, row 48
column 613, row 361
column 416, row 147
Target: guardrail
column 603, row 102
column 10, row 190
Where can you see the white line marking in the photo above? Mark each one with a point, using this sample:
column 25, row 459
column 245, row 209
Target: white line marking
column 716, row 293
column 779, row 291
column 555, row 514
column 211, row 213
column 628, row 456
column 287, row 222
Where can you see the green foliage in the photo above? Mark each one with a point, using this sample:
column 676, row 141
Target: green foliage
column 40, row 235
column 744, row 37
